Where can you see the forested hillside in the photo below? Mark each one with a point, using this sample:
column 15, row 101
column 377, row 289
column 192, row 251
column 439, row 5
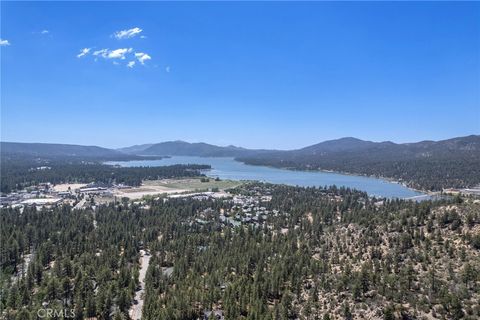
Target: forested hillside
column 319, row 254
column 427, row 165
column 182, row 148
column 55, row 150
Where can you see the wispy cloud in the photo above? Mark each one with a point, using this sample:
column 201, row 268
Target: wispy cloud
column 116, row 55
column 43, row 32
column 126, row 34
column 4, row 42
column 119, row 53
column 102, row 53
column 83, row 52
column 167, row 69
column 113, row 54
column 142, row 57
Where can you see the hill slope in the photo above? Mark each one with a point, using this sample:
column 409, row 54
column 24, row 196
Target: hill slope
column 468, row 146
column 136, row 149
column 431, row 165
column 182, row 148
column 428, row 165
column 54, row 149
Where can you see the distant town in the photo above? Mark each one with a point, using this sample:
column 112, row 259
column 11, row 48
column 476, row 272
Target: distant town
column 77, row 195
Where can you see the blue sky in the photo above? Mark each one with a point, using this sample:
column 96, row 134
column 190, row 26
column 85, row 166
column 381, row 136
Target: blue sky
column 272, row 75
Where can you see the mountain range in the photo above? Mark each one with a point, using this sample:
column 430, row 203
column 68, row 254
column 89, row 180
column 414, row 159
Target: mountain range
column 343, row 147
column 47, row 150
column 182, row 148
column 356, row 148
column 427, row 165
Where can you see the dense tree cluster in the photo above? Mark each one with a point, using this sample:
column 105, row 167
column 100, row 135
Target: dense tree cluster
column 427, row 165
column 422, row 174
column 328, row 254
column 21, row 173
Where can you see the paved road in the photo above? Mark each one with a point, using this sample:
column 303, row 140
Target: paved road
column 136, row 309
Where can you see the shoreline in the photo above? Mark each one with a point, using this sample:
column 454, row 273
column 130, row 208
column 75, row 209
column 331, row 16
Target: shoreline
column 418, row 192
column 386, row 179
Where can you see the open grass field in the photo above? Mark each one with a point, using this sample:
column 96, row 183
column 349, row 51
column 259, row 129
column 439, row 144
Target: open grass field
column 193, row 184
column 172, row 186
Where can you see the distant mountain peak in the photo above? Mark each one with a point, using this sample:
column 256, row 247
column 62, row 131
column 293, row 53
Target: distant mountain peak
column 56, row 150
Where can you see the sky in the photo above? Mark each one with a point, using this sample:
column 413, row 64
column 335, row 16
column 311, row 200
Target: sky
column 253, row 74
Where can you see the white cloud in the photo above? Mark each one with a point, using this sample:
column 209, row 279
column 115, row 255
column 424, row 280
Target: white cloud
column 83, row 52
column 113, row 54
column 44, row 32
column 167, row 69
column 126, row 34
column 4, row 42
column 119, row 53
column 142, row 57
column 103, row 53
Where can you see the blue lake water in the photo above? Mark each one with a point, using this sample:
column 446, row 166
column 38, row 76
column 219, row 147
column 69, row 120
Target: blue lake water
column 227, row 168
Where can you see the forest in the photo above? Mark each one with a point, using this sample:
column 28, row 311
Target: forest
column 18, row 173
column 326, row 253
column 424, row 165
column 420, row 174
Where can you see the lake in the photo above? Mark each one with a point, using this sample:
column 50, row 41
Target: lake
column 228, row 168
